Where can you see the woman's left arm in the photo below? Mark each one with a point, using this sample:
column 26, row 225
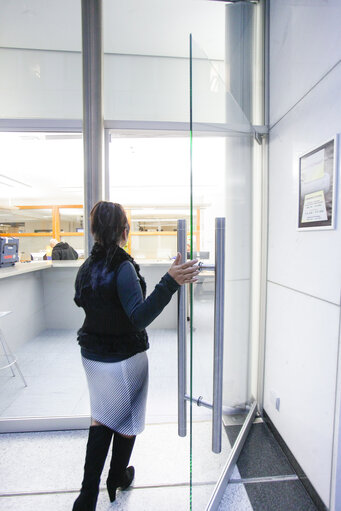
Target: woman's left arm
column 142, row 312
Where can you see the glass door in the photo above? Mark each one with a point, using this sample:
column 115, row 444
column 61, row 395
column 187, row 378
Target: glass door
column 218, row 389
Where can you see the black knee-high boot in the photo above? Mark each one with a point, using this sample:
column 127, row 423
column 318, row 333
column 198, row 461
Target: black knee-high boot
column 120, row 475
column 96, row 453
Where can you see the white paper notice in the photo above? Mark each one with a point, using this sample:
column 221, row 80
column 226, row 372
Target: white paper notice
column 314, row 208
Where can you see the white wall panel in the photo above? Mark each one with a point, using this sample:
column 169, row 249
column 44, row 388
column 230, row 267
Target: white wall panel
column 23, row 295
column 307, row 261
column 303, row 307
column 301, row 370
column 305, row 42
column 59, row 308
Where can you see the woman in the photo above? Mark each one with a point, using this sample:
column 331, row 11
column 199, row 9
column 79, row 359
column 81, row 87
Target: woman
column 113, row 342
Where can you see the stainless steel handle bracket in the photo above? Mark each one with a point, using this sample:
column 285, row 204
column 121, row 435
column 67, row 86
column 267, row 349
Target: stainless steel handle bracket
column 207, row 267
column 199, row 401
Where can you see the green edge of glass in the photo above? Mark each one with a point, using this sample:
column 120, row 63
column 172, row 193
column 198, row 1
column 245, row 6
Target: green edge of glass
column 191, row 285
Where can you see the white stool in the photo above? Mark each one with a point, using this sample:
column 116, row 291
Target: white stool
column 11, row 359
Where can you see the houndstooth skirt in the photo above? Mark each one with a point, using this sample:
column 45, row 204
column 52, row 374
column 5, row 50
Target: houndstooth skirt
column 118, row 393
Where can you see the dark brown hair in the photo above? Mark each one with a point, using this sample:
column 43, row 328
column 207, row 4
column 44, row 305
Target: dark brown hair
column 107, row 222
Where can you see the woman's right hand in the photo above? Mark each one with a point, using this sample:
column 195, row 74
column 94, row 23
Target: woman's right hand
column 185, row 273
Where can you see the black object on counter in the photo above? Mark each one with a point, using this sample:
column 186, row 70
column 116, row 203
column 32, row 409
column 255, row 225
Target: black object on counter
column 9, row 251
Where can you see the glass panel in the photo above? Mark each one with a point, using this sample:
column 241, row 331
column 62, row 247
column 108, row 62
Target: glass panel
column 71, row 219
column 33, row 248
column 41, row 61
column 149, row 175
column 17, row 220
column 151, row 187
column 40, row 169
column 221, row 187
column 152, row 63
column 38, row 172
column 76, row 242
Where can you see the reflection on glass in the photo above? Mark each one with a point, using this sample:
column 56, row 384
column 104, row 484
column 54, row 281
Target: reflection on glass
column 71, row 219
column 41, row 168
column 40, row 171
column 76, row 242
column 157, row 193
column 16, row 221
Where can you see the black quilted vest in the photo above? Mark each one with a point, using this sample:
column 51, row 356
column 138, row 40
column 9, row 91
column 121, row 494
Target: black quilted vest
column 107, row 329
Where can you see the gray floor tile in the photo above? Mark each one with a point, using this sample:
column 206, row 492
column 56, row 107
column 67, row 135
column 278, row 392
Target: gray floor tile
column 279, row 496
column 261, row 455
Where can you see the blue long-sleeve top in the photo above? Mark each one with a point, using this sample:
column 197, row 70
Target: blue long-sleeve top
column 142, row 312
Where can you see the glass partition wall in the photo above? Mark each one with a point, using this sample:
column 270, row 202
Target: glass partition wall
column 41, row 195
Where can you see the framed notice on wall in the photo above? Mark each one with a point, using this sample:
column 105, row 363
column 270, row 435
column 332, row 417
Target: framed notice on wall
column 317, row 186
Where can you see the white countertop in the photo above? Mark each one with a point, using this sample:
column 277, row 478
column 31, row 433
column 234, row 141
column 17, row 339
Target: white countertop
column 21, row 268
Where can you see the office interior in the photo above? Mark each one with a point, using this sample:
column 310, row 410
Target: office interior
column 208, row 109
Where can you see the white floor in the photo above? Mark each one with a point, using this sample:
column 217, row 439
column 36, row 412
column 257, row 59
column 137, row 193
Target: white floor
column 53, row 370
column 56, row 383
column 46, row 468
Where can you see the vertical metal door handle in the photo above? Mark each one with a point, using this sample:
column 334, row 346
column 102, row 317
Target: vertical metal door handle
column 182, row 314
column 218, row 334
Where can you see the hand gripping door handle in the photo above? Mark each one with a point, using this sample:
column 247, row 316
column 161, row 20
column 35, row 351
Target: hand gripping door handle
column 182, row 314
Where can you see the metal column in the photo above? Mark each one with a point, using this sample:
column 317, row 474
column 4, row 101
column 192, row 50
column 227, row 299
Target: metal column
column 92, row 56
